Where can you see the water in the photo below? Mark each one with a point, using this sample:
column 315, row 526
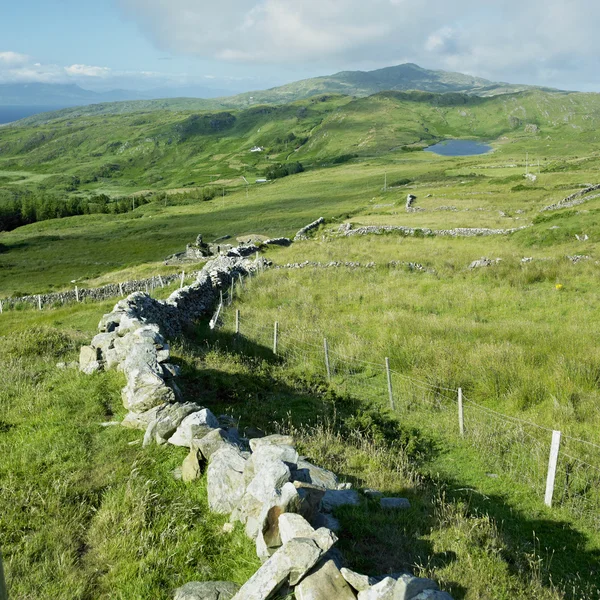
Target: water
column 459, row 148
column 8, row 114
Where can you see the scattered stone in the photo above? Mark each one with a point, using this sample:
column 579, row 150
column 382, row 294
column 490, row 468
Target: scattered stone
column 432, row 595
column 484, row 262
column 409, row 586
column 324, row 582
column 89, row 360
column 228, row 528
column 394, row 503
column 336, row 498
column 371, row 493
column 207, row 590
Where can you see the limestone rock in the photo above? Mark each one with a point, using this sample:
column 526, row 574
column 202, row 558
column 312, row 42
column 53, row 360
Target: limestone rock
column 89, row 360
column 169, row 417
column 409, row 586
column 432, row 595
column 324, row 582
column 135, row 420
column 211, row 442
column 326, row 520
column 271, row 440
column 309, row 473
column 225, row 480
column 310, row 497
column 145, row 390
column 292, row 525
column 384, row 590
column 289, row 564
column 207, row 590
column 193, row 426
column 269, row 478
column 335, row 498
column 190, row 469
column 359, row 582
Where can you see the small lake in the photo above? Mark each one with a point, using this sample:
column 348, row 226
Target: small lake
column 8, row 114
column 459, row 148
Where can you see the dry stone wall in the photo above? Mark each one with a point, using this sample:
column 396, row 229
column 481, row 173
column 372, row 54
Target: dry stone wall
column 411, row 231
column 284, row 502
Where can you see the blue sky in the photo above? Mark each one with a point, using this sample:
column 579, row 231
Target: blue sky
column 252, row 44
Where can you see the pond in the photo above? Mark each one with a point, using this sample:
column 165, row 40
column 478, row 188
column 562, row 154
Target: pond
column 459, row 148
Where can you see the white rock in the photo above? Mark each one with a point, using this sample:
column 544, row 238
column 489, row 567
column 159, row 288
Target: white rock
column 292, row 526
column 193, row 426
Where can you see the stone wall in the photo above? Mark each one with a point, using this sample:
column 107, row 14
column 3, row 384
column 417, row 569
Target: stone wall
column 574, row 199
column 411, row 231
column 284, row 502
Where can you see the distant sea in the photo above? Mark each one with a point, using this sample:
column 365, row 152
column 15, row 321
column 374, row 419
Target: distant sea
column 14, row 113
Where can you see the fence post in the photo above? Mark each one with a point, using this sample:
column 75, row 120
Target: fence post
column 121, row 289
column 275, row 337
column 240, row 281
column 552, row 462
column 231, row 293
column 76, row 294
column 389, row 382
column 3, row 592
column 39, row 302
column 182, row 278
column 162, row 285
column 237, row 321
column 146, row 286
column 461, row 414
column 0, row 307
column 326, row 347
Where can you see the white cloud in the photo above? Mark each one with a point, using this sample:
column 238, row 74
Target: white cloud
column 511, row 39
column 87, row 71
column 12, row 59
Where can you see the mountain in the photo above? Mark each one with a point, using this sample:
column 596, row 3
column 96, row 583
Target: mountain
column 405, row 77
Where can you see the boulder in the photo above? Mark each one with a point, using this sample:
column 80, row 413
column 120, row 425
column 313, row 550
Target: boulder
column 209, row 444
column 145, row 390
column 336, row 498
column 269, row 478
column 433, row 595
column 359, row 582
column 89, row 360
column 409, row 586
column 310, row 497
column 190, row 469
column 135, row 420
column 225, row 480
column 193, row 426
column 292, row 525
column 324, row 582
column 289, row 564
column 207, row 590
column 271, row 440
column 384, row 590
column 326, row 520
column 169, row 417
column 309, row 473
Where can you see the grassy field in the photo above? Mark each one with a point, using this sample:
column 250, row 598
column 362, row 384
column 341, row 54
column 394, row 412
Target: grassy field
column 84, row 504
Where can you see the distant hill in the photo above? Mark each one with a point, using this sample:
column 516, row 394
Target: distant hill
column 405, row 77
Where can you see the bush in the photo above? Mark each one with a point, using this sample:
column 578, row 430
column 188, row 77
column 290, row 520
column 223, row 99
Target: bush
column 279, row 170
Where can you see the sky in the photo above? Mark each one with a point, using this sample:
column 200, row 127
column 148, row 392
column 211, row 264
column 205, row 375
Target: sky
column 240, row 45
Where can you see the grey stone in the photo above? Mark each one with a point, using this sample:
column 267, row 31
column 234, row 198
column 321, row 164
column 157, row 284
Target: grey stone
column 384, row 590
column 225, row 480
column 209, row 444
column 271, row 440
column 359, row 582
column 193, row 426
column 145, row 390
column 326, row 520
column 269, row 478
column 89, row 360
column 371, row 493
column 432, row 595
column 324, row 582
column 190, row 469
column 207, row 590
column 336, row 498
column 141, row 420
column 103, row 341
column 292, row 525
column 409, row 586
column 289, row 564
column 310, row 496
column 394, row 503
column 170, row 416
column 309, row 473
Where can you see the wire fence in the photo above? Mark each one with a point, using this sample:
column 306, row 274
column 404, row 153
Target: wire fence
column 505, row 445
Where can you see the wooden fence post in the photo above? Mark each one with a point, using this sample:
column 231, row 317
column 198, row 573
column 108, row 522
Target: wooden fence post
column 327, row 366
column 275, row 337
column 76, row 294
column 240, row 281
column 552, row 462
column 461, row 415
column 162, row 285
column 3, row 592
column 182, row 278
column 389, row 382
column 231, row 293
column 39, row 301
column 146, row 286
column 237, row 321
column 0, row 307
column 121, row 289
